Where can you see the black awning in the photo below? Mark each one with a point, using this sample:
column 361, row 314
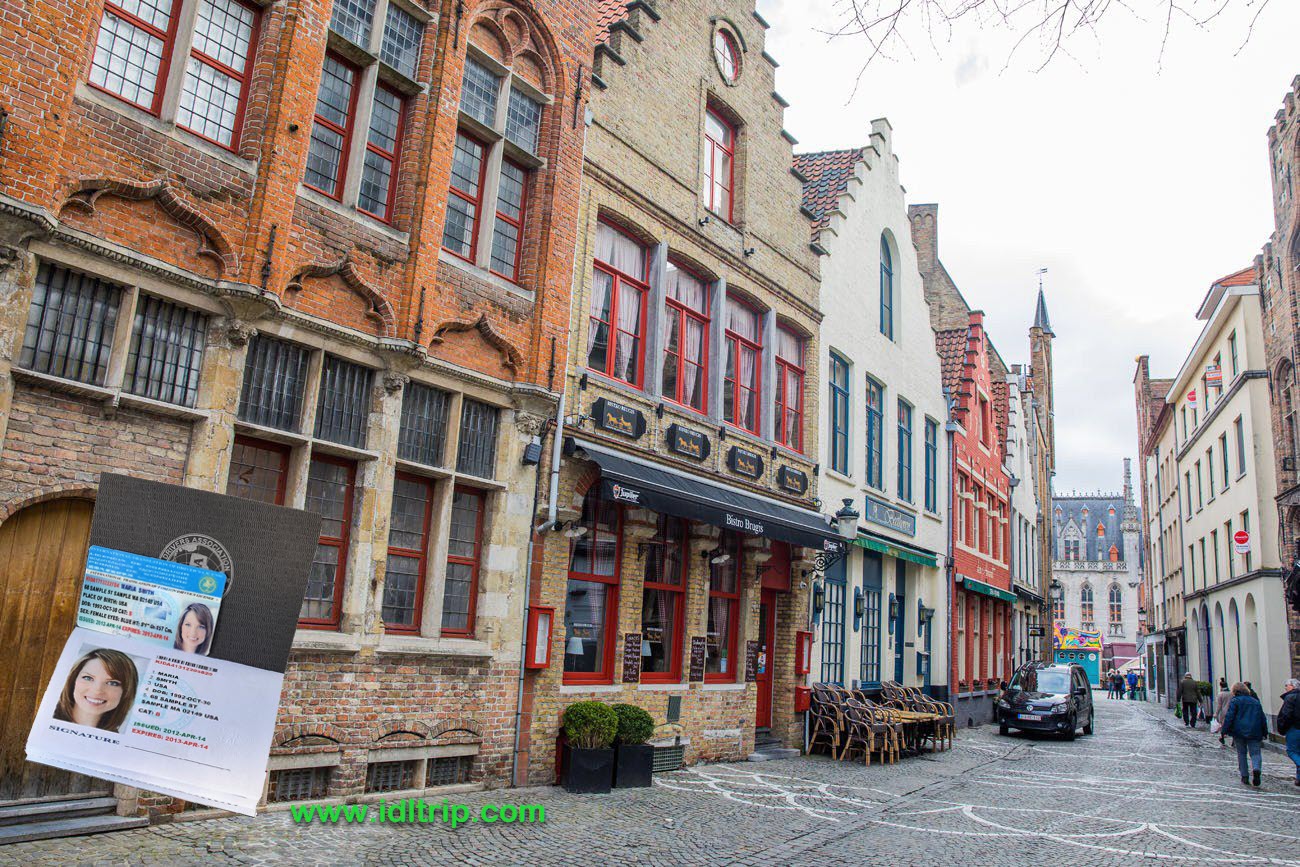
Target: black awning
column 625, row 479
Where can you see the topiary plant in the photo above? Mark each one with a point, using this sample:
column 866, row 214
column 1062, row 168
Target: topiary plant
column 635, row 726
column 590, row 725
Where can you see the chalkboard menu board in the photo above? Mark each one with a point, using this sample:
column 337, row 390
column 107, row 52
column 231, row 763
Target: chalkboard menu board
column 632, row 657
column 699, row 650
column 751, row 661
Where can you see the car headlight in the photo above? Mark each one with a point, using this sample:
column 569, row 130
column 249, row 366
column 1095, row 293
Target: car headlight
column 1058, row 707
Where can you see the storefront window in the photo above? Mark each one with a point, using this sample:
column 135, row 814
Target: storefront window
column 591, row 602
column 872, row 580
column 662, row 602
column 833, row 624
column 724, row 611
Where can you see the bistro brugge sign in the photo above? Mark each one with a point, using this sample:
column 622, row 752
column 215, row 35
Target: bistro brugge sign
column 618, row 418
column 688, row 443
column 792, row 480
column 744, row 462
column 887, row 516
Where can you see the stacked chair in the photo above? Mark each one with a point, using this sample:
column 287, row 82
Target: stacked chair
column 847, row 723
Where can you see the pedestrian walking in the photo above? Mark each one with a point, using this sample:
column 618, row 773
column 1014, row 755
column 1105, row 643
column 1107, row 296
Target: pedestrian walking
column 1110, row 683
column 1132, row 685
column 1246, row 722
column 1221, row 705
column 1117, row 681
column 1189, row 695
column 1251, row 691
column 1288, row 723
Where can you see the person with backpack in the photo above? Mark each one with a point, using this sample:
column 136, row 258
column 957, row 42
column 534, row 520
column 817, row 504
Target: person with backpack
column 1132, row 685
column 1189, row 696
column 1246, row 722
column 1288, row 723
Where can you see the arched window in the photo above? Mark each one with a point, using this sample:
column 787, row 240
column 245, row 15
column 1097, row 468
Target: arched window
column 591, row 600
column 1116, row 605
column 1058, row 608
column 1085, row 605
column 886, row 289
column 1286, row 378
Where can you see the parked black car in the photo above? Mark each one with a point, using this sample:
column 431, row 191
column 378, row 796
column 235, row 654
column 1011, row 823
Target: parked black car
column 1046, row 697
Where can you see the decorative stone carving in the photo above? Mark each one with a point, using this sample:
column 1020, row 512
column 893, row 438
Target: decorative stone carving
column 235, row 332
column 530, row 424
column 379, row 308
column 510, row 357
column 394, row 382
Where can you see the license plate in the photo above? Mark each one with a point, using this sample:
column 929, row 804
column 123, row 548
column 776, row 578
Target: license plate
column 1032, row 716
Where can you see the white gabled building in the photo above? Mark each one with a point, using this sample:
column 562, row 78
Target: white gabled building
column 883, row 445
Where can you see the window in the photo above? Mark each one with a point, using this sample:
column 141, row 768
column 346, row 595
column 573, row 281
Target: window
column 726, row 55
column 478, row 439
column 1214, row 552
column 258, row 470
column 743, row 366
column 218, row 72
column 298, row 784
column 886, row 289
column 1223, row 460
column 1205, row 565
column 70, row 325
column 336, row 108
column 343, row 410
column 391, row 776
column 986, row 422
column 387, row 118
column 839, row 405
column 133, row 50
column 962, row 523
column 423, row 433
column 869, row 662
column 275, row 378
column 931, row 465
column 1114, row 554
column 663, row 602
column 1232, row 352
column 1187, row 478
column 591, row 604
column 1245, row 525
column 1058, row 608
column 724, row 611
column 499, row 137
column 1200, row 499
column 618, row 306
column 1209, row 470
column 1116, row 600
column 465, row 537
column 789, row 389
column 166, row 354
column 875, row 434
column 408, row 546
column 834, row 587
column 719, row 158
column 1227, row 541
column 448, row 770
column 1101, row 531
column 1239, row 429
column 905, row 450
column 403, row 34
column 1085, row 606
column 686, row 338
column 330, row 486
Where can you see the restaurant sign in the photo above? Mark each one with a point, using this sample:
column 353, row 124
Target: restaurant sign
column 744, row 462
column 879, row 512
column 792, row 480
column 618, row 418
column 688, row 443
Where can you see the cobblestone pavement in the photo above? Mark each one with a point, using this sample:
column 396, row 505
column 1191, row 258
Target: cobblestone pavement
column 1139, row 791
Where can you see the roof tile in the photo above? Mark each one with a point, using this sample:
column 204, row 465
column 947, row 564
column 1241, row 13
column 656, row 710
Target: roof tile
column 828, row 174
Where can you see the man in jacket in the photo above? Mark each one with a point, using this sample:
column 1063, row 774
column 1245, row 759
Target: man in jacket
column 1132, row 685
column 1189, row 695
column 1246, row 722
column 1288, row 723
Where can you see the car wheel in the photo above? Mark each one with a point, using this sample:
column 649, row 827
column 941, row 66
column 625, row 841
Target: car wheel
column 1003, row 729
column 1072, row 732
column 1087, row 728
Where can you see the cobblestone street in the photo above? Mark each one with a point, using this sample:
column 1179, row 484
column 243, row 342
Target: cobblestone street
column 1141, row 789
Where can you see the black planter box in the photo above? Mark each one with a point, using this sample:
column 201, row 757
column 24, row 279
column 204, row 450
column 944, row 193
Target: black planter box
column 588, row 771
column 635, row 766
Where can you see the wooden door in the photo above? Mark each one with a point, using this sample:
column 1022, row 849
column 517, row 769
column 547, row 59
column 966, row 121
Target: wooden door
column 766, row 651
column 42, row 557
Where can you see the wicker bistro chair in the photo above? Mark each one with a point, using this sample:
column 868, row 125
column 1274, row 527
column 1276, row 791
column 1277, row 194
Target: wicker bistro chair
column 944, row 722
column 892, row 727
column 868, row 732
column 828, row 722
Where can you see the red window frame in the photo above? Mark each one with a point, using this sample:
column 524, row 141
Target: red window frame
column 674, row 674
column 164, row 67
column 683, row 313
column 266, row 445
column 971, row 606
column 473, row 562
column 711, row 145
column 421, row 555
column 476, row 201
column 784, row 368
column 642, row 285
column 340, row 542
column 733, row 627
column 245, row 80
column 519, row 223
column 606, row 673
column 345, row 131
column 734, row 344
column 392, row 158
column 985, row 638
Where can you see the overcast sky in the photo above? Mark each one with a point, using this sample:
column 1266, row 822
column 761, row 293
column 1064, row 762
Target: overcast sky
column 1135, row 181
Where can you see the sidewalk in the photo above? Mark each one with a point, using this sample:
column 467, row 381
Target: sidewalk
column 1201, row 734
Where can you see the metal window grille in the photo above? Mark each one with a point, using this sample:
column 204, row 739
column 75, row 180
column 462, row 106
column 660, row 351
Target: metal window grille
column 275, row 376
column 667, row 758
column 70, row 325
column 390, row 776
column 298, row 784
column 166, row 352
column 403, row 34
column 833, row 628
column 449, row 770
column 423, row 433
column 523, row 120
column 344, row 405
column 478, row 439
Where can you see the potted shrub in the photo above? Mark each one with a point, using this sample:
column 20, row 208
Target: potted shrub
column 635, row 756
column 590, row 728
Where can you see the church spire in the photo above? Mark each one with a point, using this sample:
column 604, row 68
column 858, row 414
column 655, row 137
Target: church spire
column 1040, row 315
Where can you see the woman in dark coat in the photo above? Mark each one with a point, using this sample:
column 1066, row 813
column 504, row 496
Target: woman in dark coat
column 1246, row 722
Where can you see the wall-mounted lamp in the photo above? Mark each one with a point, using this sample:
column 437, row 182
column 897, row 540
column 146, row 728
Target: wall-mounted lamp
column 703, row 221
column 582, row 382
column 846, row 520
column 749, row 251
column 533, row 452
column 573, row 530
column 818, row 600
column 859, row 607
column 893, row 612
column 659, row 410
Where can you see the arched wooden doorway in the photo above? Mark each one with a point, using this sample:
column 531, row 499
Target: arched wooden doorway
column 42, row 557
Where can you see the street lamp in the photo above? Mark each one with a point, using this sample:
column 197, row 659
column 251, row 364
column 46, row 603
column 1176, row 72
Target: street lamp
column 846, row 520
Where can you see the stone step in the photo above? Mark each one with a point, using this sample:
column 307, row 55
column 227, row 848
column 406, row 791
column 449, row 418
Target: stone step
column 772, row 754
column 38, row 811
column 68, row 828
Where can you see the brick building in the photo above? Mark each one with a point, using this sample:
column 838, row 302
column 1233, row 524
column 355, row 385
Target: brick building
column 310, row 255
column 684, row 512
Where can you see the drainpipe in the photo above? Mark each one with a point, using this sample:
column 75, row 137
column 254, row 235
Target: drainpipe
column 953, row 652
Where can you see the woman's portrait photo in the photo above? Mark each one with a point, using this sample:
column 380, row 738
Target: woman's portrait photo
column 194, row 632
column 99, row 691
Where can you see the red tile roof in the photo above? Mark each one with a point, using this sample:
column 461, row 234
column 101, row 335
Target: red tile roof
column 828, row 174
column 951, row 345
column 1244, row 277
column 1001, row 407
column 608, row 12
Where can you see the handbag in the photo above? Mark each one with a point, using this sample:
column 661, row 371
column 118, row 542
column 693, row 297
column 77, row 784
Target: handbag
column 1215, row 727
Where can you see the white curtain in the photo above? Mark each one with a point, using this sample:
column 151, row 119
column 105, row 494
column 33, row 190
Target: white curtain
column 789, row 347
column 619, row 251
column 692, row 352
column 629, row 332
column 748, row 369
column 743, row 321
column 598, row 334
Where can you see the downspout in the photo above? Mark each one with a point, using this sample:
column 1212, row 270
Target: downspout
column 953, row 650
